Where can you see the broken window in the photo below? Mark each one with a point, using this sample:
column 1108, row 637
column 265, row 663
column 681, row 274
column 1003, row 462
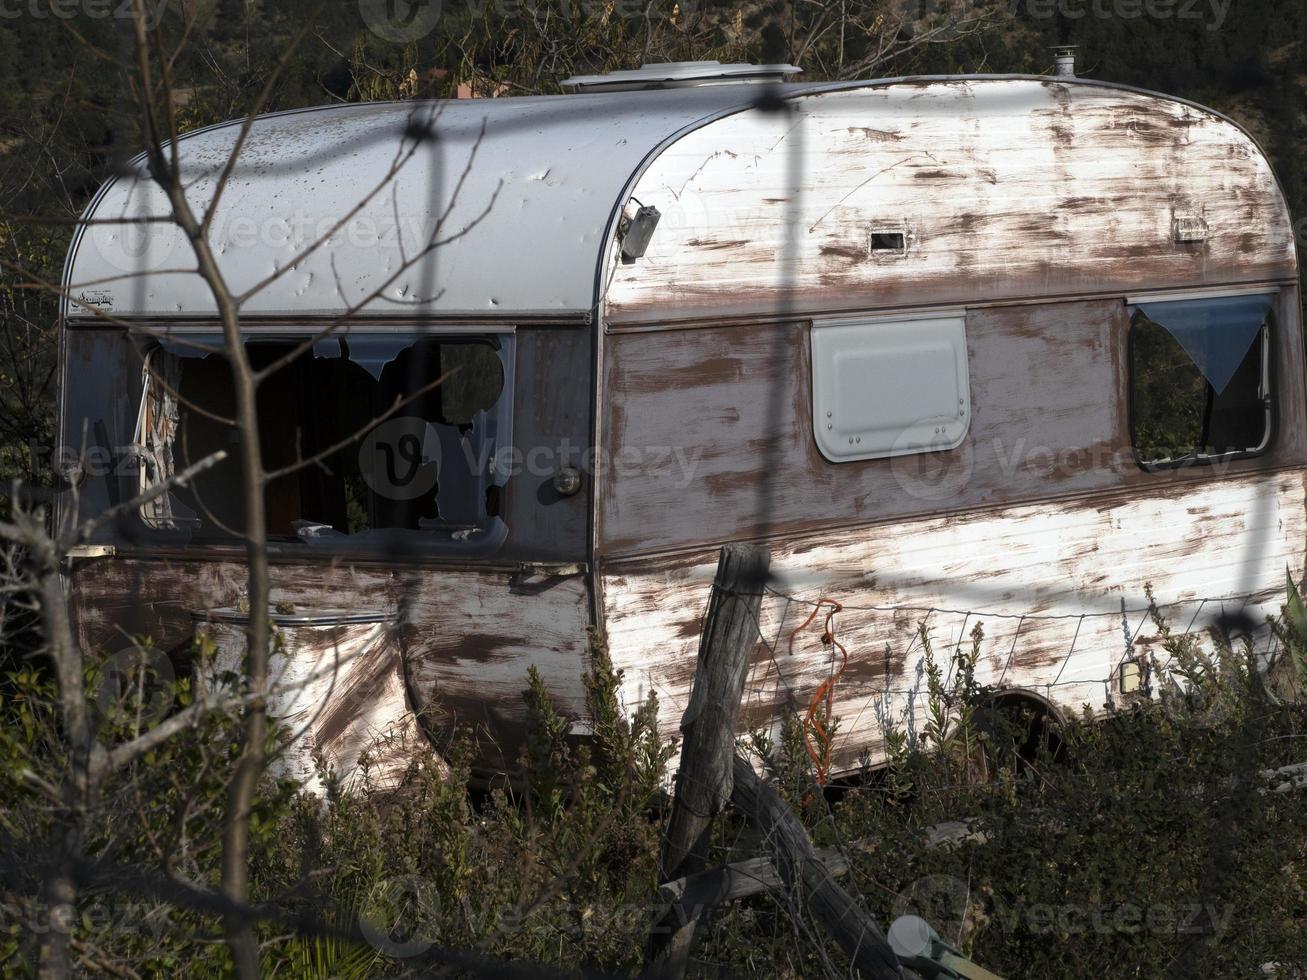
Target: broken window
column 1200, row 379
column 153, row 439
column 398, row 435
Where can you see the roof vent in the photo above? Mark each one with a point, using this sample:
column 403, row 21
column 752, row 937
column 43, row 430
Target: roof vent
column 679, row 74
column 1065, row 57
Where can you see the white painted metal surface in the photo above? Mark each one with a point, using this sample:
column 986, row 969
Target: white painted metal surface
column 1058, row 589
column 524, row 192
column 1000, row 188
column 318, row 665
column 524, row 205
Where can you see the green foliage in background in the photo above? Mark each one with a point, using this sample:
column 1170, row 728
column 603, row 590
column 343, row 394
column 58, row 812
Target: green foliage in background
column 1145, row 846
column 66, row 122
column 1168, row 392
column 557, row 867
column 1150, row 842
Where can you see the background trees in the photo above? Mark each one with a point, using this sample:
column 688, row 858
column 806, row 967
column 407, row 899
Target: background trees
column 69, row 118
column 66, row 119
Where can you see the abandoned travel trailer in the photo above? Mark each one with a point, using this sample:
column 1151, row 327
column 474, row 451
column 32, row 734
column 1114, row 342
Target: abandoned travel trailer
column 968, row 351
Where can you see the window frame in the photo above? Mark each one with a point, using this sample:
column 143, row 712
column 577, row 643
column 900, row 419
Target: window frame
column 1269, row 378
column 146, row 339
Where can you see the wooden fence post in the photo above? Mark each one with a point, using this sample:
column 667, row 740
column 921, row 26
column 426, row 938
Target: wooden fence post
column 805, row 876
column 704, row 779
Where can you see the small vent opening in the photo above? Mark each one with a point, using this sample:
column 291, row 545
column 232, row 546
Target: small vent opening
column 889, row 241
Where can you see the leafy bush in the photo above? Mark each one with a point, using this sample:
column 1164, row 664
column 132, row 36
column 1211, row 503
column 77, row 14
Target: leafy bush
column 1145, row 844
column 1148, row 843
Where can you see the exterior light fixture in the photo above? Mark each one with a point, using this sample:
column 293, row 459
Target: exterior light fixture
column 635, row 232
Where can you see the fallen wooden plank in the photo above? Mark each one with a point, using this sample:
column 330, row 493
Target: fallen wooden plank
column 809, row 881
column 696, row 893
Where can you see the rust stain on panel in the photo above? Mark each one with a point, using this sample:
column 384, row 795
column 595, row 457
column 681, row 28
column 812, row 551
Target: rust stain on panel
column 1049, row 417
column 714, row 244
column 853, row 253
column 1046, row 583
column 456, row 646
column 1068, row 189
column 466, row 662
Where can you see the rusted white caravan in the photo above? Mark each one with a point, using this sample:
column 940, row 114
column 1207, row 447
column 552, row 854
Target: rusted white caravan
column 996, row 350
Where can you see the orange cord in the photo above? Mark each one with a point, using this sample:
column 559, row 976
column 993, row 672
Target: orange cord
column 811, row 723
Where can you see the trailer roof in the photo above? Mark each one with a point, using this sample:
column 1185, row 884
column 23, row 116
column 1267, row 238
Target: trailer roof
column 519, row 191
column 519, row 195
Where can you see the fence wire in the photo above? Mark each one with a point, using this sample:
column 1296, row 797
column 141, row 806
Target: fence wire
column 774, row 633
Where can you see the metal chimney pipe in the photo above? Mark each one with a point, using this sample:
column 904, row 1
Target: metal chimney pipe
column 1065, row 56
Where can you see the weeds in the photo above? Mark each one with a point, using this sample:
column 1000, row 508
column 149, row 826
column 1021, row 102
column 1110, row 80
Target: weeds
column 1148, row 842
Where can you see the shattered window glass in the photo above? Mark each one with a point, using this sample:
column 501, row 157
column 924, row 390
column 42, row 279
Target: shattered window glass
column 374, row 438
column 1200, row 379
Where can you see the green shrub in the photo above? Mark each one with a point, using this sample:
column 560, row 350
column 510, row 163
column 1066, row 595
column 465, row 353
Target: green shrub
column 1148, row 845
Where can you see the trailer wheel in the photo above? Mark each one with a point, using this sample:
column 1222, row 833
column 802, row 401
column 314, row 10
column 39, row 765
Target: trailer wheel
column 1020, row 728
